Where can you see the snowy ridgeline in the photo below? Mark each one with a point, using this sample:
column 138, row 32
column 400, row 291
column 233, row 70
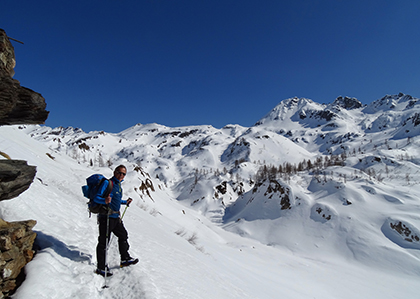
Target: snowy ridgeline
column 314, row 201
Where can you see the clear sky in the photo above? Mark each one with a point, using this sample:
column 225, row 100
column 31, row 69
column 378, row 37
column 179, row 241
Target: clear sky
column 107, row 65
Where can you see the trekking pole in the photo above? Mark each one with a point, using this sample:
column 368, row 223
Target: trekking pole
column 106, row 247
column 124, row 211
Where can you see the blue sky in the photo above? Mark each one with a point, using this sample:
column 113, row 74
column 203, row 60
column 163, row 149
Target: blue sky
column 107, row 65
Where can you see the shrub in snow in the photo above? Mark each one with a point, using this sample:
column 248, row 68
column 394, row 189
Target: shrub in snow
column 402, row 233
column 322, row 213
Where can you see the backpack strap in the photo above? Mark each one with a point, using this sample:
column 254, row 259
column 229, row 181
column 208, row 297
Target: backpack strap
column 109, row 188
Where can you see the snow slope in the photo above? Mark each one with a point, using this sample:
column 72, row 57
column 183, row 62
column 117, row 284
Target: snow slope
column 204, row 228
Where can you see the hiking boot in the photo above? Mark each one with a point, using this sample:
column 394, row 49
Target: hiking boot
column 102, row 272
column 128, row 262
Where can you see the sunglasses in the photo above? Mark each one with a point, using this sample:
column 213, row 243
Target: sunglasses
column 123, row 173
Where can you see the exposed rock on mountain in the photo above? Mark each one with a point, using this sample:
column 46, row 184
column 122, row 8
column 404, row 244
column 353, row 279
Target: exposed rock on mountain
column 347, row 103
column 20, row 105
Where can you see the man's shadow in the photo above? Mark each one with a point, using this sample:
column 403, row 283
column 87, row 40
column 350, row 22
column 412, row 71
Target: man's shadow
column 43, row 241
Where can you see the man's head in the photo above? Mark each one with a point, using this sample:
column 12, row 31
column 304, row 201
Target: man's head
column 120, row 172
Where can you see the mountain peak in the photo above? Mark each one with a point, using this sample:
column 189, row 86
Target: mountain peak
column 288, row 108
column 347, row 103
column 391, row 102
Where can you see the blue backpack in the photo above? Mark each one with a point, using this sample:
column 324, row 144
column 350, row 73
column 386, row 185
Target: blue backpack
column 91, row 190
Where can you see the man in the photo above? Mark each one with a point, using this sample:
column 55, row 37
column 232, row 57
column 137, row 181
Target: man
column 113, row 222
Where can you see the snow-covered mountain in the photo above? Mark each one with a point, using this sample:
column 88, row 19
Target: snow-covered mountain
column 312, row 201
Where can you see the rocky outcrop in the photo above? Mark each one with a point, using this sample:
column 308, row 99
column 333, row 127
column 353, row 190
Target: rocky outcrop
column 16, row 242
column 347, row 103
column 19, row 105
column 15, row 177
column 7, row 56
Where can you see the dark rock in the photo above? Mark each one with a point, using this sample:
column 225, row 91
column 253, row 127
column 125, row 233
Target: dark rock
column 20, row 105
column 15, row 177
column 7, row 56
column 347, row 103
column 16, row 242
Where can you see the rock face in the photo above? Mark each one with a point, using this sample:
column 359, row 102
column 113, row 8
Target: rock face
column 7, row 56
column 347, row 103
column 16, row 242
column 19, row 105
column 15, row 177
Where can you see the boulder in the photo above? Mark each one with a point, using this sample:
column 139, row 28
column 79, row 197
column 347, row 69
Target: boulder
column 15, row 177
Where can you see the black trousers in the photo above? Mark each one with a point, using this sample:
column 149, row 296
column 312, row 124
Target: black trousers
column 116, row 226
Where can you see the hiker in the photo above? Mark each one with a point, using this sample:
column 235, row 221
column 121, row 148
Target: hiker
column 113, row 222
